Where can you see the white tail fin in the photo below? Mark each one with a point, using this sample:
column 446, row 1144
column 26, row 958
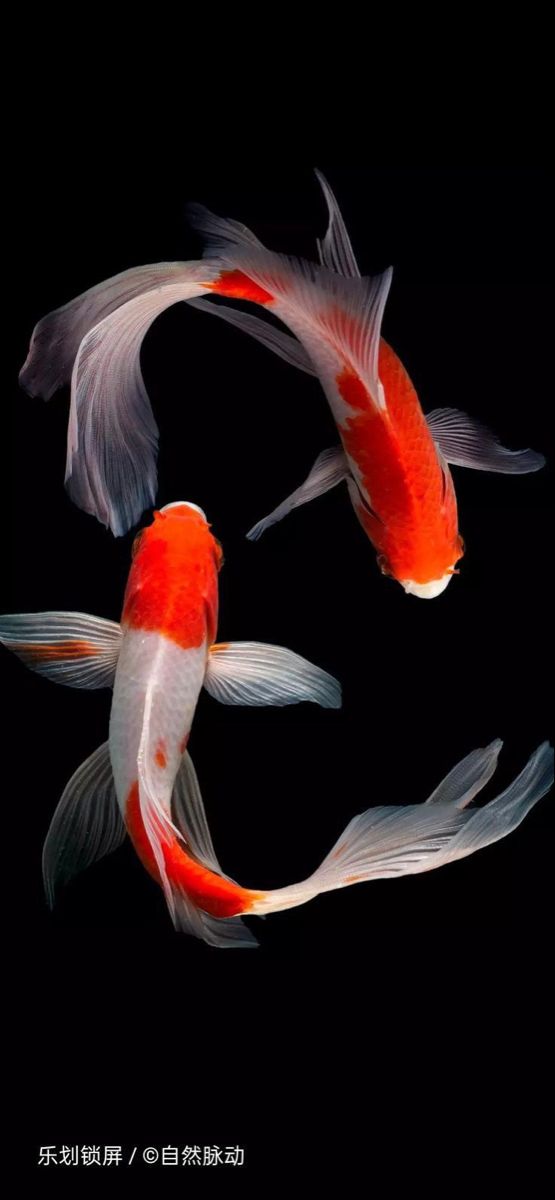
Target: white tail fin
column 95, row 341
column 112, row 435
column 57, row 337
column 282, row 344
column 383, row 843
column 335, row 248
column 328, row 311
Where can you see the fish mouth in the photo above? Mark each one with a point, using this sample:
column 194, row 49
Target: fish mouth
column 183, row 504
column 427, row 591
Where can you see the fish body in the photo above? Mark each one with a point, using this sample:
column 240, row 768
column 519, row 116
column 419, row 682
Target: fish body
column 168, row 625
column 157, row 660
column 399, row 484
column 393, row 458
column 142, row 783
column 401, row 490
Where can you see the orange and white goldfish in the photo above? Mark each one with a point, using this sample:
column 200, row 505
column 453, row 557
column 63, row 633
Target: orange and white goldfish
column 157, row 659
column 392, row 457
column 142, row 780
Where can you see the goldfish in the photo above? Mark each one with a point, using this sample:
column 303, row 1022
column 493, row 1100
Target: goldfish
column 141, row 783
column 393, row 459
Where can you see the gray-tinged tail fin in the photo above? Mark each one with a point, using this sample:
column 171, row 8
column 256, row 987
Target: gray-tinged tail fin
column 386, row 842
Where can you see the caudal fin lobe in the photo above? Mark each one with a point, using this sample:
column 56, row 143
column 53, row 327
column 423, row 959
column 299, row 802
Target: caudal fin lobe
column 386, row 842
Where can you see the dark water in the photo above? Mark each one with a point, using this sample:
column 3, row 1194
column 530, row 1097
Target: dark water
column 139, row 1036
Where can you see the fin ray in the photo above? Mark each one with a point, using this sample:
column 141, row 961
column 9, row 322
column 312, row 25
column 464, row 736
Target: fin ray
column 468, row 777
column 346, row 312
column 465, row 442
column 86, row 825
column 331, row 467
column 112, row 435
column 68, row 647
column 254, row 673
column 283, row 344
column 335, row 249
column 388, row 841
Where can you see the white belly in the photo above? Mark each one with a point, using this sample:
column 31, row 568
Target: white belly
column 156, row 690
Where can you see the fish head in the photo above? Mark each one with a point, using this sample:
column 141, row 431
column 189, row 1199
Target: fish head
column 181, row 522
column 427, row 591
column 185, row 507
column 427, row 588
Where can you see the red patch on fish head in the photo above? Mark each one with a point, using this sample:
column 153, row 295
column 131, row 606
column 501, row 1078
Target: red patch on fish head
column 172, row 587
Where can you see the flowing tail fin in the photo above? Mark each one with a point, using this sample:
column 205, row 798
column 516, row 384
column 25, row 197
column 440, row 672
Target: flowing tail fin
column 95, row 342
column 56, row 338
column 386, row 842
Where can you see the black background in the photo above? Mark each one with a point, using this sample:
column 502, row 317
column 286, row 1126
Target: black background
column 135, row 1034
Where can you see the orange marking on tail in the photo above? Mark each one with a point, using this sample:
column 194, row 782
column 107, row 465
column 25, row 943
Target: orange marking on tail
column 237, row 284
column 353, row 878
column 160, row 756
column 217, row 646
column 208, row 890
column 51, row 652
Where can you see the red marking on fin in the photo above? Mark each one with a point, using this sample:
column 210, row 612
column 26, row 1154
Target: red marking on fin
column 183, row 743
column 51, row 652
column 237, row 284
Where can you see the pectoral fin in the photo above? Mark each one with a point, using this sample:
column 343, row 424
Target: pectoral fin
column 254, row 673
column 465, row 442
column 331, row 467
column 68, row 647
